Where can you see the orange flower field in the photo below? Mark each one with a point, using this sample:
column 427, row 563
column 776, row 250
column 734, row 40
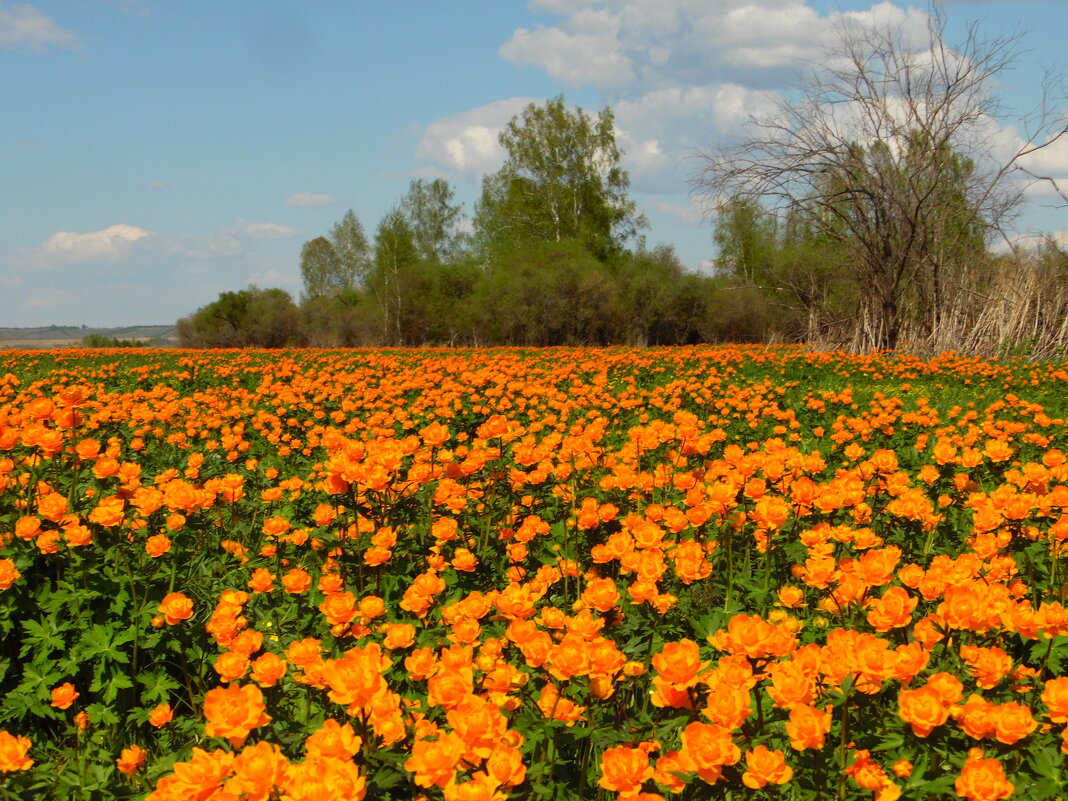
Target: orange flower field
column 479, row 575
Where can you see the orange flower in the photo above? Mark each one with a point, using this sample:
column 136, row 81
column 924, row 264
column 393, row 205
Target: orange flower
column 601, row 594
column 764, row 767
column 398, row 635
column 623, row 769
column 131, row 760
column 420, row 663
column 892, row 610
column 64, row 695
column 268, row 669
column 296, row 581
column 479, row 724
column 1013, row 722
column 976, row 717
column 231, row 666
column 340, row 608
column 13, row 749
column 262, row 580
column 333, row 741
column 505, row 766
column 709, row 747
column 109, row 512
column 555, row 707
column 1055, row 697
column 234, row 711
column 807, row 727
column 790, row 685
column 176, row 607
column 679, row 664
column 257, row 770
column 791, row 597
column 356, row 677
column 371, row 606
column 923, row 709
column 9, row 574
column 448, row 687
column 983, row 780
column 434, row 761
column 160, row 716
column 157, row 545
column 201, row 777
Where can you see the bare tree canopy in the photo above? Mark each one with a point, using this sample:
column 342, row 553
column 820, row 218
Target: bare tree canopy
column 894, row 150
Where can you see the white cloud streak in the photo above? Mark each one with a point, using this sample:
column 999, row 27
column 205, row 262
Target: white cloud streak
column 309, row 200
column 129, row 243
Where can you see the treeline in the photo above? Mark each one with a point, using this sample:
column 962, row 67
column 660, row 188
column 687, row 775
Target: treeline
column 886, row 248
column 556, row 294
column 552, row 256
column 813, row 288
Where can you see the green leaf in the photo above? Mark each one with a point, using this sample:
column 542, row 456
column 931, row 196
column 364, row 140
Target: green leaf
column 157, row 686
column 116, row 682
column 41, row 636
column 102, row 715
column 1047, row 763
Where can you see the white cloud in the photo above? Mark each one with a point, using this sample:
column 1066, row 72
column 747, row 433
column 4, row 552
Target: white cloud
column 23, row 25
column 692, row 214
column 466, row 143
column 309, row 200
column 107, row 244
column 585, row 49
column 247, row 230
column 131, row 244
column 1050, row 160
column 629, row 47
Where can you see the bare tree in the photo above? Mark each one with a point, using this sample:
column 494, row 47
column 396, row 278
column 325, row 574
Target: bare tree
column 894, row 151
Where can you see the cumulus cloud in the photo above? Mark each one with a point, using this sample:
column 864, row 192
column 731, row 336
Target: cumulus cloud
column 680, row 75
column 107, row 244
column 628, row 47
column 585, row 49
column 309, row 200
column 22, row 25
column 466, row 143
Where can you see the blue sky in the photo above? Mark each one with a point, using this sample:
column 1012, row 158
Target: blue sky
column 156, row 153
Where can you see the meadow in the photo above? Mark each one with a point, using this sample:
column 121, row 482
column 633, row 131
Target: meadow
column 479, row 575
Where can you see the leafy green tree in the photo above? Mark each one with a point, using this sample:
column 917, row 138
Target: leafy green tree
column 250, row 318
column 561, row 180
column 338, row 263
column 320, row 269
column 434, row 217
column 396, row 270
column 353, row 251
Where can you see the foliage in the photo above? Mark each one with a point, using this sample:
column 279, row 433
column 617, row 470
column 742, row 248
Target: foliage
column 101, row 341
column 337, row 264
column 265, row 318
column 885, row 154
column 561, row 180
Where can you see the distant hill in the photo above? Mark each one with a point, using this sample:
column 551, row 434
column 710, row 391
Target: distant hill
column 67, row 336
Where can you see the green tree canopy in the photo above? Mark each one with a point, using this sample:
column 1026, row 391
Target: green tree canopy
column 353, row 251
column 434, row 218
column 338, row 263
column 561, row 180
